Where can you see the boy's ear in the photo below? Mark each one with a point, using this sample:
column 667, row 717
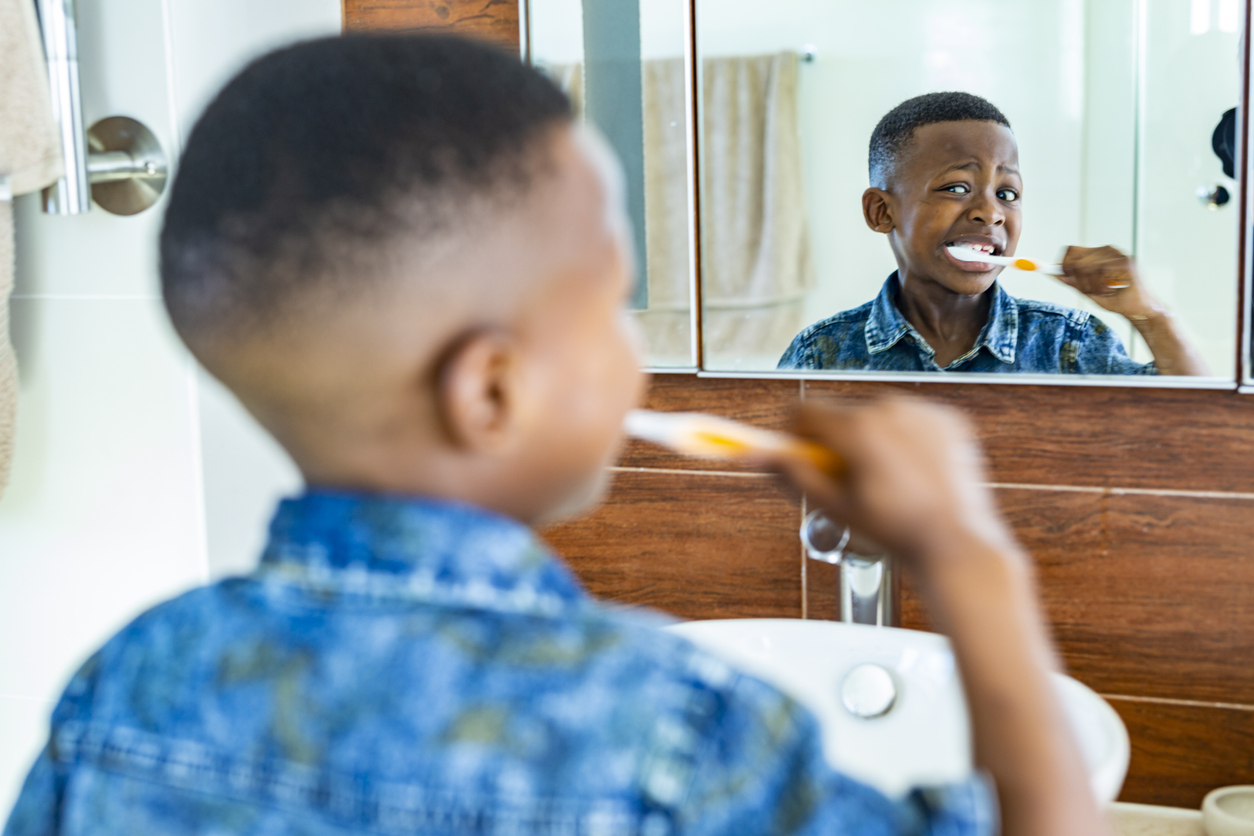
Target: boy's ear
column 477, row 390
column 877, row 210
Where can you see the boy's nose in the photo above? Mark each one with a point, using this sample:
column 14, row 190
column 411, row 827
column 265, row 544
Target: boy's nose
column 987, row 211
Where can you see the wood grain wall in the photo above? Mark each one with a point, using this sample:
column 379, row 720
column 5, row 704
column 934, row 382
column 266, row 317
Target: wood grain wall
column 1137, row 505
column 492, row 20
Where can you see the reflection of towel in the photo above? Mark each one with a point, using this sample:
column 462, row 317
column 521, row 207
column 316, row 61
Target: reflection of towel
column 756, row 266
column 30, row 158
column 756, row 253
column 755, row 256
column 8, row 363
column 756, row 248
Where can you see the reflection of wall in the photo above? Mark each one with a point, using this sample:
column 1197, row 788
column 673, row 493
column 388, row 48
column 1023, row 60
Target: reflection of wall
column 1188, row 253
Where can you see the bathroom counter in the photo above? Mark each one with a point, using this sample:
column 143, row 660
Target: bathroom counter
column 1150, row 820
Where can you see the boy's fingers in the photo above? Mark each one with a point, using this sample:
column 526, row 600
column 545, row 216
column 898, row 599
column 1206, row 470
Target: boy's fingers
column 1097, row 271
column 805, row 476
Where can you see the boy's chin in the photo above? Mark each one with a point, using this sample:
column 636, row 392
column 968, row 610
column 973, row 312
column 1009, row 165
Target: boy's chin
column 968, row 284
column 581, row 500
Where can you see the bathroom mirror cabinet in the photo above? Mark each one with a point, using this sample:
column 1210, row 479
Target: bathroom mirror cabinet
column 744, row 129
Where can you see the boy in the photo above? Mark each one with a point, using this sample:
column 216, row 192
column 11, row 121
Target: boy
column 410, row 264
column 945, row 170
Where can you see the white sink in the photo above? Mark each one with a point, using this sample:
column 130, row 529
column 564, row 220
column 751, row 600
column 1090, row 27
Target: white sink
column 923, row 738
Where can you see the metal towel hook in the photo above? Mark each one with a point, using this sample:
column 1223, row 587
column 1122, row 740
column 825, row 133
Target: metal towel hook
column 119, row 162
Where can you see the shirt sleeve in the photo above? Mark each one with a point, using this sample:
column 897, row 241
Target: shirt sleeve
column 38, row 808
column 36, row 811
column 1100, row 351
column 763, row 772
column 797, row 355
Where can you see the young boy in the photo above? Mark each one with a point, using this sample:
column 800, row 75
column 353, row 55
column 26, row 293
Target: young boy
column 410, row 263
column 945, row 171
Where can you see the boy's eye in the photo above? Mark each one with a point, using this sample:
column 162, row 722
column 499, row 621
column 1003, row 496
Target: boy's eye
column 1008, row 195
column 957, row 188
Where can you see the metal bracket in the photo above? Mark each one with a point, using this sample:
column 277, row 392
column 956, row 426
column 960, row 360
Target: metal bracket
column 126, row 165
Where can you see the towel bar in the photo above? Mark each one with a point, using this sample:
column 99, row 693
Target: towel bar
column 118, row 163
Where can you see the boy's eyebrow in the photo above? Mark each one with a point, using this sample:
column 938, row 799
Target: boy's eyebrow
column 975, row 164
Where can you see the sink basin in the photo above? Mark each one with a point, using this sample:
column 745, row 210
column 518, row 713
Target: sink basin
column 890, row 701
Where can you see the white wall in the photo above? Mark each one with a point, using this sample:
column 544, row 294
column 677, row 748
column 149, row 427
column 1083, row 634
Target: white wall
column 1188, row 253
column 105, row 513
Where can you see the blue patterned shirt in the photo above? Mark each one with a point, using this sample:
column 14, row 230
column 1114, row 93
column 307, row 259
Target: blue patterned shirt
column 1020, row 336
column 418, row 666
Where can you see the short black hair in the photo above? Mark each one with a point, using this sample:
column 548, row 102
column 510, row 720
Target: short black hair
column 896, row 129
column 316, row 155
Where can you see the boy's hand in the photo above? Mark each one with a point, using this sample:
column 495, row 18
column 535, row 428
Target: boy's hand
column 1109, row 278
column 912, row 481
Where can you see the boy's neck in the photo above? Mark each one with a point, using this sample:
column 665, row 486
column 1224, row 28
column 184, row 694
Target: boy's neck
column 950, row 322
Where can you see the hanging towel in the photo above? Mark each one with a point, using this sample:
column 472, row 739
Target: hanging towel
column 756, row 264
column 756, row 261
column 30, row 158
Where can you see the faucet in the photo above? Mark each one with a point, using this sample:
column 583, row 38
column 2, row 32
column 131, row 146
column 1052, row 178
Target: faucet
column 865, row 581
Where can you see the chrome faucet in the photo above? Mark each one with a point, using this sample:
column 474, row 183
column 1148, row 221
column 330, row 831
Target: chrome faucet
column 865, row 581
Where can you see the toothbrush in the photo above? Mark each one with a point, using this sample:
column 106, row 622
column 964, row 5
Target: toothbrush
column 711, row 437
column 1027, row 264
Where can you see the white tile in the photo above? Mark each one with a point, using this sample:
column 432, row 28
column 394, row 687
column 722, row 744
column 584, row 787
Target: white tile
column 246, row 472
column 212, row 41
column 103, row 516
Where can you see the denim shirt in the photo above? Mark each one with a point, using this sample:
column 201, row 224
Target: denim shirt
column 1020, row 336
column 418, row 666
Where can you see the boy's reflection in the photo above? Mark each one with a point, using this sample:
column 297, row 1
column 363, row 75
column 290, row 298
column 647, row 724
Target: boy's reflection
column 944, row 171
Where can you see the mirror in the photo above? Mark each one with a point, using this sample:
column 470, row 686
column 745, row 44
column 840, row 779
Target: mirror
column 1119, row 110
column 622, row 62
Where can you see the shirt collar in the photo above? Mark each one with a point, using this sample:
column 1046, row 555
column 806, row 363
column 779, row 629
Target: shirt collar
column 886, row 326
column 416, row 548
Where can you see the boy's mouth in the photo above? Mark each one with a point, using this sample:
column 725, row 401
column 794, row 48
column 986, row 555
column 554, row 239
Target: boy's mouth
column 976, row 243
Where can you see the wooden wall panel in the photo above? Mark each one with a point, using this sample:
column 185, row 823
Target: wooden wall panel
column 491, row 20
column 1182, row 752
column 765, row 403
column 694, row 545
column 1163, row 439
column 1147, row 595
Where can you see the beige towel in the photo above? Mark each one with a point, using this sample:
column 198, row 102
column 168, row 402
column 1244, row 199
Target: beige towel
column 30, row 158
column 756, row 254
column 756, row 263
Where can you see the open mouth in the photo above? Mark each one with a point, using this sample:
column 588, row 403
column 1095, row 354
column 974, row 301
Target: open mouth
column 988, row 248
column 975, row 245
